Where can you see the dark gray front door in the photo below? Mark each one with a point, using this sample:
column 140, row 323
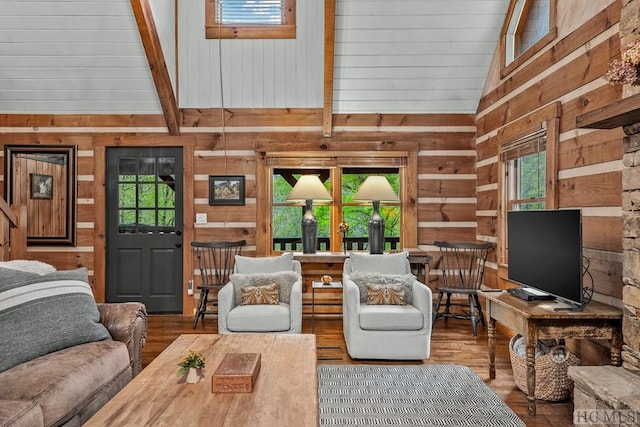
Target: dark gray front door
column 144, row 227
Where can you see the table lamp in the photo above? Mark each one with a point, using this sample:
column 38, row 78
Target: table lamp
column 309, row 188
column 376, row 189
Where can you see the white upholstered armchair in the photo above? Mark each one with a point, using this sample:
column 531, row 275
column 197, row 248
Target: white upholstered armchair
column 385, row 331
column 283, row 317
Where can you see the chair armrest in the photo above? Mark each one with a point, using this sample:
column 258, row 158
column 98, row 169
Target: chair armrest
column 226, row 303
column 423, row 301
column 127, row 322
column 295, row 306
column 350, row 297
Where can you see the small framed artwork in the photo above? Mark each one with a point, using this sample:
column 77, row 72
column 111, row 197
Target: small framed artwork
column 226, row 190
column 41, row 186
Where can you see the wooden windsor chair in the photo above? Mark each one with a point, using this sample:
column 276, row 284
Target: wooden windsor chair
column 462, row 265
column 215, row 262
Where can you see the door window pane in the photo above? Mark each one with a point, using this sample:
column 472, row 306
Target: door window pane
column 147, row 195
column 147, row 218
column 146, row 200
column 127, row 193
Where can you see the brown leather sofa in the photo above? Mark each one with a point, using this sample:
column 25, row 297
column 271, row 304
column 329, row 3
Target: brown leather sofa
column 66, row 387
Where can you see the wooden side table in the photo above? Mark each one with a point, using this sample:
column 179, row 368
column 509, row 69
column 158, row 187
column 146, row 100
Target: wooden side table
column 538, row 320
column 336, row 284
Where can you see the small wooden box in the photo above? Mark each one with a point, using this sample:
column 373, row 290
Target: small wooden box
column 237, row 373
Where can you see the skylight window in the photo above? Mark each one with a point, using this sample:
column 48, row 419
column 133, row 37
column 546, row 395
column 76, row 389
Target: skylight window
column 250, row 19
column 250, row 12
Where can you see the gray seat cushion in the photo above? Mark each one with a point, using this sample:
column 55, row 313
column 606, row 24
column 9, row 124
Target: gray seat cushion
column 259, row 318
column 69, row 379
column 390, row 318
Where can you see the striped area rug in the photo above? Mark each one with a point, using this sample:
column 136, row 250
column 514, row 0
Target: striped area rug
column 411, row 395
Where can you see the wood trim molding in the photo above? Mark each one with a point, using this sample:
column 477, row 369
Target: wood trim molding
column 153, row 49
column 263, row 193
column 620, row 113
column 214, row 30
column 506, row 69
column 100, row 144
column 409, row 188
column 188, row 218
column 99, row 224
column 8, row 213
column 550, row 115
column 529, row 53
column 329, row 59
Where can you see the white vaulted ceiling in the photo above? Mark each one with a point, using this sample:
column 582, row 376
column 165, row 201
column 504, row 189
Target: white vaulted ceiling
column 405, row 56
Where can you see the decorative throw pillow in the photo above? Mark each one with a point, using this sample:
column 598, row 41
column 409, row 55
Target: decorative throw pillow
column 272, row 264
column 284, row 280
column 383, row 263
column 363, row 279
column 267, row 294
column 385, row 294
column 40, row 314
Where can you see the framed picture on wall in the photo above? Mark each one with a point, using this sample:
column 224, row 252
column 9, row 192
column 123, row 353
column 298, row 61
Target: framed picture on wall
column 43, row 178
column 41, row 186
column 226, row 190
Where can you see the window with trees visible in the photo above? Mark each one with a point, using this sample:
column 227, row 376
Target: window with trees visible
column 529, row 26
column 250, row 19
column 528, row 168
column 526, row 172
column 146, row 195
column 286, row 216
column 342, row 172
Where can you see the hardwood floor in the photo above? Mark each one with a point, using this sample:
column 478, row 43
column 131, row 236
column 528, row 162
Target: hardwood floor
column 451, row 343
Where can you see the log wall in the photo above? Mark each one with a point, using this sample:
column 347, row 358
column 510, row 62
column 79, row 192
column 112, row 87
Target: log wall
column 568, row 71
column 445, row 172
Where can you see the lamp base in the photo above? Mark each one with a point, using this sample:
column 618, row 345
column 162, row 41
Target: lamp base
column 309, row 226
column 376, row 230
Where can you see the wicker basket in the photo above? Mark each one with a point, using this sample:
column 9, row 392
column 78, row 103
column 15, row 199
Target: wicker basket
column 552, row 382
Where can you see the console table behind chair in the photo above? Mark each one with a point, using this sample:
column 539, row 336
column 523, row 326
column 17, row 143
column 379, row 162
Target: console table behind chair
column 418, row 259
column 536, row 320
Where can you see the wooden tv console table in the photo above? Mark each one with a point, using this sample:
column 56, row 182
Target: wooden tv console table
column 536, row 320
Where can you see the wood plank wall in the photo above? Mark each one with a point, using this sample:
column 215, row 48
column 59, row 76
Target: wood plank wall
column 568, row 71
column 445, row 171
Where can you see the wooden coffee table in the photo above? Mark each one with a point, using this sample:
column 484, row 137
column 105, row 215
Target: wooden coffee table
column 285, row 393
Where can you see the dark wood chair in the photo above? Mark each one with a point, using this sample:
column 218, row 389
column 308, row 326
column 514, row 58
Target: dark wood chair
column 462, row 265
column 215, row 261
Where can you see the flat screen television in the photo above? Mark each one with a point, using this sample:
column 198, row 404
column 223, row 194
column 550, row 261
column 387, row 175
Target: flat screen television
column 545, row 252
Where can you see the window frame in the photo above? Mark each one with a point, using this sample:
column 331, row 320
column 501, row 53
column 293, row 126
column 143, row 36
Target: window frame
column 337, row 206
column 335, row 161
column 518, row 60
column 546, row 118
column 214, row 30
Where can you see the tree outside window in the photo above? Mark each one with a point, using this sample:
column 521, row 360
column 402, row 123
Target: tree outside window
column 286, row 216
column 527, row 176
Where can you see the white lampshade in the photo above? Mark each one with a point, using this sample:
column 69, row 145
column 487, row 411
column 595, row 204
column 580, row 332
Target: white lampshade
column 376, row 188
column 309, row 187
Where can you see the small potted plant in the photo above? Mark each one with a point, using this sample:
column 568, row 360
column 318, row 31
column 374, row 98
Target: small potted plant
column 192, row 365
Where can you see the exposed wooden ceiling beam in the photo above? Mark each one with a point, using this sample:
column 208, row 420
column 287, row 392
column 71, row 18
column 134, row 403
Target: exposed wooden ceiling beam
column 153, row 49
column 329, row 43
